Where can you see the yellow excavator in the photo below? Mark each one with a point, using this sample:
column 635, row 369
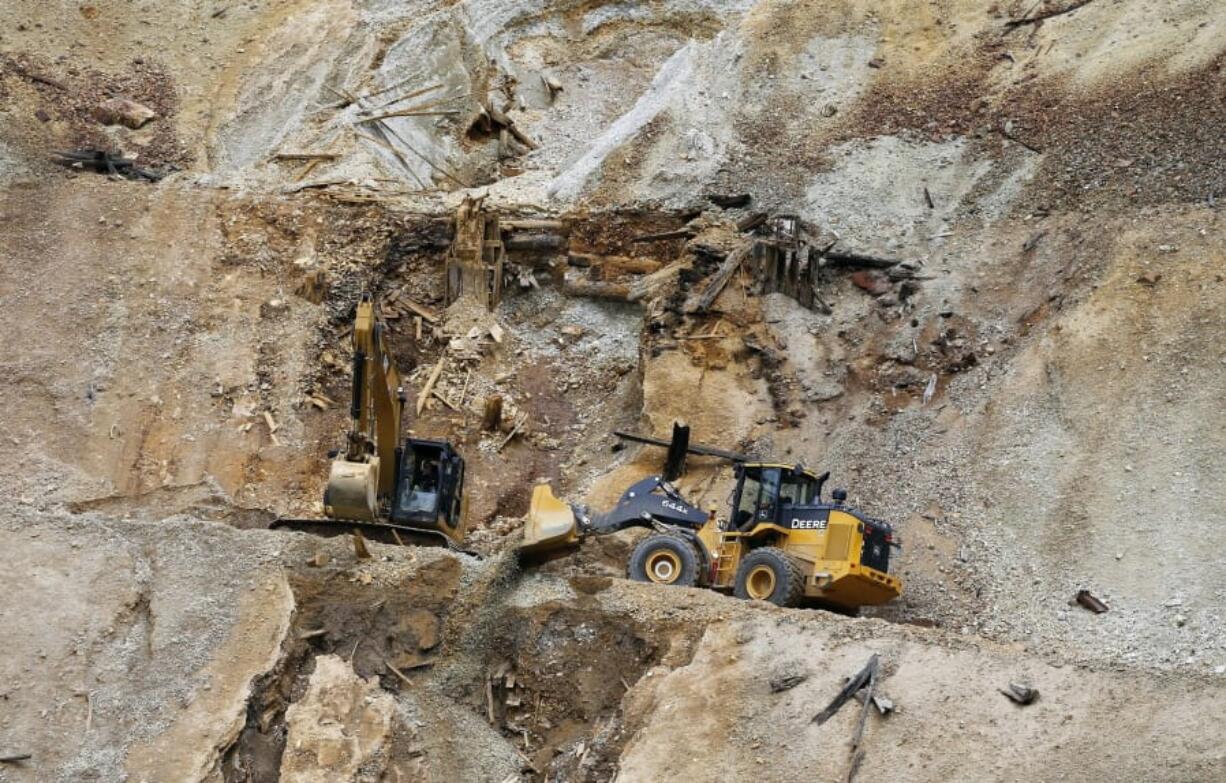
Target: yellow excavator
column 782, row 543
column 391, row 491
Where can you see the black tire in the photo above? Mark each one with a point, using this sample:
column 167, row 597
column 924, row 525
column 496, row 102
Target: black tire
column 664, row 559
column 767, row 574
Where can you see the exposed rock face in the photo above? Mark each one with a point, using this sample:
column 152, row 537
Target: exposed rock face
column 338, row 728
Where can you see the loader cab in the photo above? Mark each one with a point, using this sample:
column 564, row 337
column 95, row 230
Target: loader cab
column 429, row 486
column 764, row 492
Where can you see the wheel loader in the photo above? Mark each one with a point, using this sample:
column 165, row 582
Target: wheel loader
column 391, row 491
column 780, row 543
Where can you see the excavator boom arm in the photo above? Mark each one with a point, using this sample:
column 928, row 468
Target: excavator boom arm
column 378, row 399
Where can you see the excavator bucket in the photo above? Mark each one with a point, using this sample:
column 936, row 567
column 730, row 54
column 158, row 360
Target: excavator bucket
column 550, row 524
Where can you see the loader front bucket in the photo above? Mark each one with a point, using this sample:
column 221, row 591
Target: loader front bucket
column 550, row 523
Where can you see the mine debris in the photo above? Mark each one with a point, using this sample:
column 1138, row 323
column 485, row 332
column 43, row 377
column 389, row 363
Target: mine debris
column 1033, row 242
column 751, row 221
column 1015, row 23
column 514, row 431
column 865, row 676
column 884, row 704
column 424, row 395
column 14, row 758
column 359, row 545
column 476, row 257
column 680, row 233
column 38, row 78
column 852, row 260
column 870, row 281
column 1089, row 601
column 552, row 86
column 306, row 156
column 674, row 460
column 105, row 162
column 785, row 682
column 730, row 201
column 720, row 279
column 1020, row 693
column 123, row 111
column 313, row 287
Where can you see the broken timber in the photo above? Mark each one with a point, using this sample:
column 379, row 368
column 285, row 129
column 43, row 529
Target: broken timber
column 628, row 264
column 475, row 260
column 529, row 224
column 531, row 242
column 720, row 279
column 869, row 672
column 574, row 285
column 852, row 260
column 1090, row 601
column 681, row 233
column 1012, row 23
column 429, row 387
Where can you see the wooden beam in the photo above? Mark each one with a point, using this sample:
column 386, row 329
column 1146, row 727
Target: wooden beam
column 718, row 281
column 429, row 387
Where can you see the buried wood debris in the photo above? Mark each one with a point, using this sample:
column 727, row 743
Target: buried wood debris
column 105, row 162
column 476, row 257
column 1087, row 599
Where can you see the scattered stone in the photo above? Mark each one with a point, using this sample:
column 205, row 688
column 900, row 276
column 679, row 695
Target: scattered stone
column 122, row 111
column 338, row 726
column 1020, row 693
column 786, row 681
column 1150, row 279
column 875, row 283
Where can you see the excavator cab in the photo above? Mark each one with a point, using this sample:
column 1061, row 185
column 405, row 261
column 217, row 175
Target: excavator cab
column 430, row 487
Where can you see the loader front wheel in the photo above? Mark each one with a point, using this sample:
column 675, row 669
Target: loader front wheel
column 664, row 559
column 767, row 574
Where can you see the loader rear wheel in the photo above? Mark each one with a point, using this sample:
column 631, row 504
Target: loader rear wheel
column 767, row 574
column 664, row 559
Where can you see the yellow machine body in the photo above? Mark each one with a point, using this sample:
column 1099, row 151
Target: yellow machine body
column 391, row 490
column 550, row 523
column 779, row 532
column 352, row 491
column 829, row 560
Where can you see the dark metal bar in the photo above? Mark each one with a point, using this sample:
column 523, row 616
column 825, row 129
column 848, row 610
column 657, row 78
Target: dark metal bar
column 694, row 448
